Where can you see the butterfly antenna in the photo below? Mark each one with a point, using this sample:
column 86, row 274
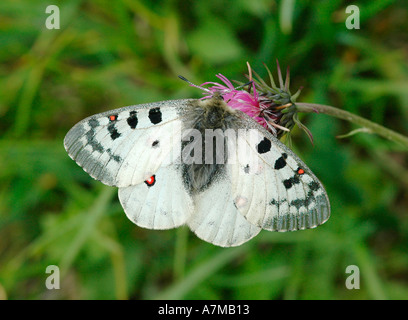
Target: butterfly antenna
column 244, row 85
column 193, row 85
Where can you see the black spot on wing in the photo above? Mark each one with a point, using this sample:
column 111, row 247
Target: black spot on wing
column 114, row 134
column 299, row 203
column 155, row 144
column 264, row 146
column 155, row 115
column 314, row 186
column 288, row 183
column 132, row 120
column 310, row 197
column 281, row 162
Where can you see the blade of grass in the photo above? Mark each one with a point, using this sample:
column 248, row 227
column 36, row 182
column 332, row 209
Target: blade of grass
column 268, row 275
column 118, row 262
column 179, row 289
column 180, row 253
column 96, row 211
column 368, row 273
column 53, row 46
column 286, row 16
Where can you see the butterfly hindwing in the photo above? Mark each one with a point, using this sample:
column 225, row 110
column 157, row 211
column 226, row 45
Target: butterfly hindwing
column 125, row 146
column 161, row 202
column 216, row 218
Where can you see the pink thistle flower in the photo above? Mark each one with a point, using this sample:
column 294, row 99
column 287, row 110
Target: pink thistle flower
column 272, row 106
column 249, row 103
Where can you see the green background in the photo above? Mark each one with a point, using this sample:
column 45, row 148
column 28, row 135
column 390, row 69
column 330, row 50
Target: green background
column 110, row 54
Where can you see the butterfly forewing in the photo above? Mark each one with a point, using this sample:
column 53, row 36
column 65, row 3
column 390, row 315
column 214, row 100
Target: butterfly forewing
column 290, row 195
column 125, row 146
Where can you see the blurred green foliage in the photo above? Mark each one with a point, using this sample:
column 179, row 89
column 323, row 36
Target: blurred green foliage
column 109, row 54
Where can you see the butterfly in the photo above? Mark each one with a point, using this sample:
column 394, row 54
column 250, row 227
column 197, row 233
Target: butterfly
column 199, row 163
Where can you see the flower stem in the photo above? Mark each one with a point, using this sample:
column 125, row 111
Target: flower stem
column 345, row 115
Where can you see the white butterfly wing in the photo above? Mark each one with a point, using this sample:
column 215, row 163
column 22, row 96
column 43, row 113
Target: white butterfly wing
column 272, row 188
column 160, row 203
column 126, row 146
column 217, row 220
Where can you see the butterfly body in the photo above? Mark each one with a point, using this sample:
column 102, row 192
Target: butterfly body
column 200, row 163
column 210, row 119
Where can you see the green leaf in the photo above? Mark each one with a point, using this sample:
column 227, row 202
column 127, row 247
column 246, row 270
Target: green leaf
column 214, row 42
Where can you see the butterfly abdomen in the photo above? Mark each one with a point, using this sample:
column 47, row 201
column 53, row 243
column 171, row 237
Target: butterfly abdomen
column 208, row 119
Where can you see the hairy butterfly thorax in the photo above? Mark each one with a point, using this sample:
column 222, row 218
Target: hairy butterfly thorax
column 207, row 120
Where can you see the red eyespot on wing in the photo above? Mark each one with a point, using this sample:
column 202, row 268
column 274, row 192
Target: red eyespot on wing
column 113, row 117
column 300, row 171
column 151, row 181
